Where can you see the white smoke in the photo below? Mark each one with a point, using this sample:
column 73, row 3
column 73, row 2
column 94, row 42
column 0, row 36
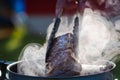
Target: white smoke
column 33, row 57
column 95, row 34
column 98, row 41
column 66, row 26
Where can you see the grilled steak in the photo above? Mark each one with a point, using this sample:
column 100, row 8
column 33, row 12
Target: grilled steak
column 61, row 60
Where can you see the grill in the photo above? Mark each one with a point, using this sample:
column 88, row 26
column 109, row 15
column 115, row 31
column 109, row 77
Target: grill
column 14, row 75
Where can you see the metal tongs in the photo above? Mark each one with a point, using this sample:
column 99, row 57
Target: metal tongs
column 52, row 35
column 56, row 26
column 76, row 27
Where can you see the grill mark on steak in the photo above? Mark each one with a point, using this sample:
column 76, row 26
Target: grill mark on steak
column 61, row 61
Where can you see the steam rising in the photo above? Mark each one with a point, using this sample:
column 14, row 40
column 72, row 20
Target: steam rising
column 33, row 56
column 66, row 26
column 98, row 40
column 94, row 36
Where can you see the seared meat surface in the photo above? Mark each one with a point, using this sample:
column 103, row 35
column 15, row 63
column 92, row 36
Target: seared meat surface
column 61, row 60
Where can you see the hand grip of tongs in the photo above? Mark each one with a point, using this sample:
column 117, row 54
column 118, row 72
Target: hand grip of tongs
column 52, row 35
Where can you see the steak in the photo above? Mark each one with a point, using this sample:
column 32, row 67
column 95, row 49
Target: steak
column 61, row 60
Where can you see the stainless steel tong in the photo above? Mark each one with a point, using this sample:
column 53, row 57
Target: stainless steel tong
column 56, row 26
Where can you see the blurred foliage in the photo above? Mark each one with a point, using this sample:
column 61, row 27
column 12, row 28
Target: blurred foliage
column 13, row 53
column 116, row 71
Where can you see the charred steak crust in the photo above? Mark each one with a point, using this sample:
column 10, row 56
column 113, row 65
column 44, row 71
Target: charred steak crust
column 61, row 61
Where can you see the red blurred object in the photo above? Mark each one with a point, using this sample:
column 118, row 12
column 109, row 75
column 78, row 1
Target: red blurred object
column 70, row 7
column 111, row 8
column 40, row 7
column 48, row 7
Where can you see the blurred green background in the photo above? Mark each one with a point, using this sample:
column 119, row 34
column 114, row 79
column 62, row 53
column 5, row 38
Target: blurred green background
column 15, row 30
column 8, row 54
